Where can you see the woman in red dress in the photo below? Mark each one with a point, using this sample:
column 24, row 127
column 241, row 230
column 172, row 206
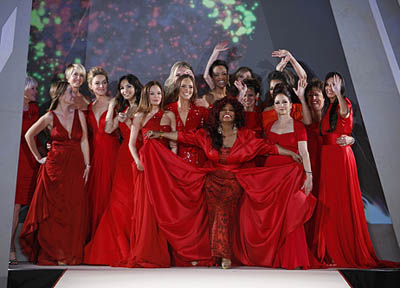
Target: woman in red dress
column 188, row 117
column 104, row 148
column 110, row 245
column 227, row 145
column 342, row 237
column 27, row 164
column 148, row 245
column 178, row 69
column 55, row 228
column 292, row 135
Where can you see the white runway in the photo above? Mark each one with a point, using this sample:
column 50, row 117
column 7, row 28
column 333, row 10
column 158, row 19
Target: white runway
column 100, row 277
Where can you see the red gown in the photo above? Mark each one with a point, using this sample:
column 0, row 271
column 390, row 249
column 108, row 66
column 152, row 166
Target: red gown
column 27, row 164
column 294, row 251
column 148, row 245
column 196, row 118
column 342, row 234
column 105, row 150
column 259, row 225
column 254, row 122
column 55, row 228
column 110, row 244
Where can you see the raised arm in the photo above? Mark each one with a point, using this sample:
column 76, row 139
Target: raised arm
column 344, row 109
column 301, row 87
column 282, row 53
column 45, row 121
column 303, row 151
column 111, row 121
column 220, row 47
column 135, row 129
column 85, row 145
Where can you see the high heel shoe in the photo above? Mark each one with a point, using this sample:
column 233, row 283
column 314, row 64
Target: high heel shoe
column 13, row 258
column 226, row 263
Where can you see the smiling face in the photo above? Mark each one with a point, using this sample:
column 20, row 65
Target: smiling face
column 227, row 114
column 220, row 76
column 328, row 89
column 127, row 89
column 155, row 95
column 30, row 93
column 76, row 79
column 186, row 89
column 315, row 99
column 249, row 99
column 99, row 85
column 282, row 104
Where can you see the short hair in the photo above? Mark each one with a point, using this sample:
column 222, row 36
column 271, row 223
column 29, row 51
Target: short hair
column 77, row 67
column 29, row 82
column 215, row 64
column 254, row 84
column 94, row 72
column 242, row 70
column 278, row 75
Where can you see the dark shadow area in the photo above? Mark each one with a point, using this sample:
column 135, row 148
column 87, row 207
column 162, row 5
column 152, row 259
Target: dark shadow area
column 372, row 278
column 33, row 278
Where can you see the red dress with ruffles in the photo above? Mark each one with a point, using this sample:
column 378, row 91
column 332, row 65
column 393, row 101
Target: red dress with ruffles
column 27, row 164
column 55, row 228
column 259, row 225
column 342, row 233
column 294, row 251
column 103, row 161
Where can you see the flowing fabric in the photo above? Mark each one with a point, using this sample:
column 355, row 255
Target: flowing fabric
column 27, row 164
column 176, row 191
column 55, row 228
column 111, row 242
column 294, row 251
column 105, row 149
column 342, row 236
column 254, row 122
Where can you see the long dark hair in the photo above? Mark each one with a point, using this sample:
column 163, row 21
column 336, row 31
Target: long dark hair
column 122, row 103
column 214, row 122
column 177, row 87
column 333, row 114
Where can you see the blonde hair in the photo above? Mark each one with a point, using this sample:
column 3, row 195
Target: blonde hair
column 169, row 83
column 94, row 72
column 56, row 90
column 144, row 103
column 30, row 82
column 75, row 67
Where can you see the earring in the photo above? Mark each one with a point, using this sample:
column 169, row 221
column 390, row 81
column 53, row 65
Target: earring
column 219, row 130
column 234, row 128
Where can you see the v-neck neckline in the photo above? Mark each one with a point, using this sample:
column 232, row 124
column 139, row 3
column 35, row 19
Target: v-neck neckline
column 72, row 127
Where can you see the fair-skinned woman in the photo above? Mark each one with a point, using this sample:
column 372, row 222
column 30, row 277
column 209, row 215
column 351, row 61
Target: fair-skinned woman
column 148, row 245
column 57, row 215
column 110, row 245
column 178, row 69
column 27, row 164
column 228, row 145
column 292, row 135
column 105, row 145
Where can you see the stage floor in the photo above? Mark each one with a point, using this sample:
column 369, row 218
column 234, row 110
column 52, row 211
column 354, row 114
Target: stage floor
column 102, row 276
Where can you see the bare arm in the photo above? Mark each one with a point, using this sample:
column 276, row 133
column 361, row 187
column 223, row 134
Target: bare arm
column 282, row 53
column 286, row 152
column 85, row 145
column 343, row 108
column 303, row 151
column 301, row 87
column 170, row 120
column 135, row 129
column 217, row 49
column 45, row 121
column 111, row 121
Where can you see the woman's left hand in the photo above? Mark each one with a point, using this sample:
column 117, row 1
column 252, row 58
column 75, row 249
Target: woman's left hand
column 307, row 186
column 153, row 134
column 345, row 140
column 242, row 90
column 296, row 157
column 301, row 87
column 122, row 117
column 336, row 85
column 86, row 173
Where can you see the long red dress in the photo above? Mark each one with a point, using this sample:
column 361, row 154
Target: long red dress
column 103, row 161
column 27, row 164
column 342, row 234
column 148, row 245
column 294, row 251
column 55, row 228
column 260, row 224
column 110, row 244
column 197, row 117
column 254, row 122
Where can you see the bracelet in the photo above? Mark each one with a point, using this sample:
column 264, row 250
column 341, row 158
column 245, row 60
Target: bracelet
column 308, row 172
column 87, row 166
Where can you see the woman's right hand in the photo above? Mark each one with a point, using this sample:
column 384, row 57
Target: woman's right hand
column 220, row 47
column 153, row 134
column 42, row 160
column 296, row 157
column 139, row 166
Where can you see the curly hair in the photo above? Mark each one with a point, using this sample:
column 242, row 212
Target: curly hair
column 214, row 123
column 122, row 103
column 93, row 73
